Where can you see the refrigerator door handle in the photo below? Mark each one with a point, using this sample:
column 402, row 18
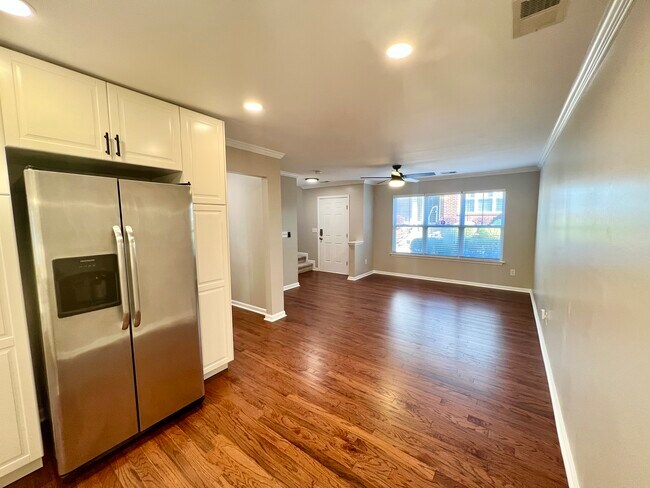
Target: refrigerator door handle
column 135, row 284
column 124, row 290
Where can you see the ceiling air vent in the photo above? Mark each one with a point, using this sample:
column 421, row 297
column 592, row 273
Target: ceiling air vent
column 532, row 15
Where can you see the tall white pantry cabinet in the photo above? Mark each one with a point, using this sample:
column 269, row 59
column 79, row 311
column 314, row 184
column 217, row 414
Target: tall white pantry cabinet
column 48, row 108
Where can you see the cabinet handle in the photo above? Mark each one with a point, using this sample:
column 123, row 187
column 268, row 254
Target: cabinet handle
column 108, row 144
column 117, row 140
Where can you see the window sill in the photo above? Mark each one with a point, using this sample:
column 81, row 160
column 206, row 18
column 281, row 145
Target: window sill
column 493, row 262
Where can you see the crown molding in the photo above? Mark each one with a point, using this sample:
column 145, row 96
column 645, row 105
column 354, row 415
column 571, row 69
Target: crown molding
column 475, row 174
column 245, row 146
column 306, row 186
column 290, row 175
column 606, row 32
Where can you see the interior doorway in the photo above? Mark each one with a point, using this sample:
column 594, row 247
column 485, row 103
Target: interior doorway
column 333, row 231
column 248, row 241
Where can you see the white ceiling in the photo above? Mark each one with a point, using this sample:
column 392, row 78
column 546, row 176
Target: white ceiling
column 469, row 99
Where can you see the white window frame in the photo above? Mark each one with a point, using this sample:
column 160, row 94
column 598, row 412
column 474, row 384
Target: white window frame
column 461, row 226
column 493, row 201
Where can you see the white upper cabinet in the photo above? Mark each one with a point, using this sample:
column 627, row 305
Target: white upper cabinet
column 145, row 130
column 204, row 157
column 49, row 108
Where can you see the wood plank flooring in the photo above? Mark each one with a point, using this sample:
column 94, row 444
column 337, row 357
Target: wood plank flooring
column 383, row 382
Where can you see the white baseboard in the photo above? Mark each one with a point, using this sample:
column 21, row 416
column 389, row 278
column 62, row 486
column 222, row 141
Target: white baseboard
column 275, row 316
column 565, row 446
column 261, row 311
column 291, row 286
column 355, row 278
column 247, row 306
column 212, row 369
column 453, row 282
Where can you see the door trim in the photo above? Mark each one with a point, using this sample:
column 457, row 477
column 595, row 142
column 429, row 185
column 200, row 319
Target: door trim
column 318, row 200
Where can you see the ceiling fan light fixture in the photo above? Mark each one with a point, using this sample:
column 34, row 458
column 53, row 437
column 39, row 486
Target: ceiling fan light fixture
column 396, row 181
column 311, row 180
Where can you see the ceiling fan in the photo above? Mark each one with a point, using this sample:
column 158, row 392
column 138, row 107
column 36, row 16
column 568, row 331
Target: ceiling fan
column 397, row 178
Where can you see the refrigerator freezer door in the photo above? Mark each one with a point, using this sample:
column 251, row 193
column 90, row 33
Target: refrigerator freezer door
column 157, row 222
column 86, row 347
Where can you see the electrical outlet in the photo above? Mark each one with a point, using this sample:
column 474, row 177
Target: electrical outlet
column 513, row 272
column 314, row 230
column 365, row 261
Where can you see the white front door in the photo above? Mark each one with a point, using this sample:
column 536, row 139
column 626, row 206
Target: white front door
column 333, row 234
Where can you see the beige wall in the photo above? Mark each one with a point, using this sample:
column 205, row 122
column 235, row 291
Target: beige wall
column 593, row 266
column 290, row 224
column 519, row 234
column 308, row 219
column 252, row 164
column 247, row 238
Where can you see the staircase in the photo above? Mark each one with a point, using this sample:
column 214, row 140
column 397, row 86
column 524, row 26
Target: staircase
column 304, row 263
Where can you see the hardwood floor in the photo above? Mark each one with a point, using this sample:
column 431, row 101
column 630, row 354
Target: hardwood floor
column 384, row 382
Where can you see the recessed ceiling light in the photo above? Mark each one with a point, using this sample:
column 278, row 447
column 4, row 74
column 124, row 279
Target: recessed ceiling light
column 253, row 106
column 16, row 7
column 311, row 180
column 399, row 51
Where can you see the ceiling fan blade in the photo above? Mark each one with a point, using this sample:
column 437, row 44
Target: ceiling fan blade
column 382, row 182
column 408, row 179
column 420, row 175
column 373, row 177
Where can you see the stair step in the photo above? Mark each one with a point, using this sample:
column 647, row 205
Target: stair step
column 305, row 266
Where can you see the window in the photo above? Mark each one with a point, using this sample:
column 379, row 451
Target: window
column 461, row 225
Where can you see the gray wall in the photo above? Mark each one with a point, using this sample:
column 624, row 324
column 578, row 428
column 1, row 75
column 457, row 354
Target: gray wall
column 519, row 234
column 247, row 239
column 252, row 164
column 290, row 224
column 593, row 266
column 308, row 219
column 363, row 255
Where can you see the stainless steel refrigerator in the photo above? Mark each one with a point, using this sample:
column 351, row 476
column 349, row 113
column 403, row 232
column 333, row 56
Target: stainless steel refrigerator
column 117, row 294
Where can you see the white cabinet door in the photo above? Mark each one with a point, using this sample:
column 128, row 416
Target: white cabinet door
column 204, row 156
column 11, row 428
column 148, row 129
column 213, row 273
column 49, row 108
column 216, row 335
column 20, row 435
